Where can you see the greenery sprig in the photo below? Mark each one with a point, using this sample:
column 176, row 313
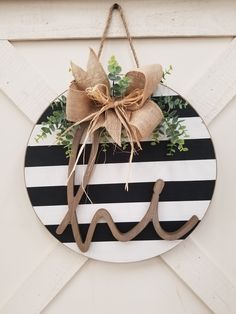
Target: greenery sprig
column 166, row 72
column 172, row 128
column 58, row 124
column 120, row 82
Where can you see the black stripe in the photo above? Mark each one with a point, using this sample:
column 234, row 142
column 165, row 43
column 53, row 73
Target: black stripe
column 115, row 193
column 182, row 113
column 102, row 232
column 55, row 156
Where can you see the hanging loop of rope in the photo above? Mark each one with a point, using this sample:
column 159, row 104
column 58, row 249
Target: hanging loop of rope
column 117, row 7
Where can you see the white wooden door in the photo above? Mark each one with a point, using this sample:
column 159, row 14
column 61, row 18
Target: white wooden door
column 37, row 41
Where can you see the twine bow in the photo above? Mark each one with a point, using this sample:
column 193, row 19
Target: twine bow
column 89, row 100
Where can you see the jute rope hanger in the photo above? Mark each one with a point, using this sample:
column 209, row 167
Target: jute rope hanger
column 117, row 7
column 74, row 199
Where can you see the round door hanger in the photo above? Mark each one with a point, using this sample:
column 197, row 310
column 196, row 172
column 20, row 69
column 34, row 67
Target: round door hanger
column 189, row 178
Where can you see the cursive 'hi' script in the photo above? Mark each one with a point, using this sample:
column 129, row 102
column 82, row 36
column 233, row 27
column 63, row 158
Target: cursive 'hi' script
column 73, row 201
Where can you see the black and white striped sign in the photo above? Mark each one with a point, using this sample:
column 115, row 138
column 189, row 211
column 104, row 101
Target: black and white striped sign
column 189, row 176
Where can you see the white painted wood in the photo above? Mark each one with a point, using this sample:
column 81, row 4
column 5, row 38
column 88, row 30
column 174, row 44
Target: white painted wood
column 26, row 20
column 21, row 83
column 142, row 288
column 210, row 95
column 200, row 273
column 190, row 276
column 31, row 94
column 176, row 270
column 45, row 282
column 190, row 57
column 216, row 87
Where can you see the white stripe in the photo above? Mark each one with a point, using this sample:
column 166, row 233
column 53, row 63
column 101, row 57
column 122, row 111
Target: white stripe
column 195, row 128
column 123, row 212
column 182, row 170
column 120, row 251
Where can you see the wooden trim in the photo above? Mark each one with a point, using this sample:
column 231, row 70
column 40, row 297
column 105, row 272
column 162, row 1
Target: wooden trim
column 22, row 84
column 201, row 275
column 210, row 95
column 217, row 87
column 51, row 275
column 78, row 19
column 184, row 260
column 31, row 94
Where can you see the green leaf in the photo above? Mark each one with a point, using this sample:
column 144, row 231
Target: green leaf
column 45, row 129
column 52, row 127
column 118, row 69
column 69, row 136
column 111, row 68
column 112, row 76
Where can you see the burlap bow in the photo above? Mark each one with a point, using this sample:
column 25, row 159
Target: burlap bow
column 89, row 100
